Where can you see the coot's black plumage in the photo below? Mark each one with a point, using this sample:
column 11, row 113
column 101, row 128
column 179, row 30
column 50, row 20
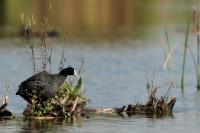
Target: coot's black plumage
column 43, row 85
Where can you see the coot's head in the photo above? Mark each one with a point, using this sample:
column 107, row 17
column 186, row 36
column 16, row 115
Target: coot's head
column 68, row 71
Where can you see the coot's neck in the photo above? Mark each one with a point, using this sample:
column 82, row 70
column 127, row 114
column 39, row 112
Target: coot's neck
column 60, row 79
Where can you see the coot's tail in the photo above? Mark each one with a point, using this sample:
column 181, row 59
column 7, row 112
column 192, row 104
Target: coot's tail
column 18, row 92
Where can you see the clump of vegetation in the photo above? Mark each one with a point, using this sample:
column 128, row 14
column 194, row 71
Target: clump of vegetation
column 68, row 102
column 155, row 105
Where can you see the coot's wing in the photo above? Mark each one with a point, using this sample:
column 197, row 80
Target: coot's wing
column 37, row 90
column 46, row 92
column 41, row 76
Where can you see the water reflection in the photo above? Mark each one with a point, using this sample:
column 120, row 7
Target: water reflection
column 32, row 125
column 35, row 125
column 107, row 123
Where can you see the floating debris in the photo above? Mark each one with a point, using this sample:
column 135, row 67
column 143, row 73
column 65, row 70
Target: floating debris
column 158, row 107
column 3, row 111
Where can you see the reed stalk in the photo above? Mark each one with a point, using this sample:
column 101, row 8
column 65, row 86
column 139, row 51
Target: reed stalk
column 196, row 32
column 184, row 55
column 198, row 54
column 168, row 48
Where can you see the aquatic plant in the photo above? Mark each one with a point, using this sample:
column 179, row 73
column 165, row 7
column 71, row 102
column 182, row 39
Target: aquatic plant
column 171, row 50
column 196, row 30
column 184, row 56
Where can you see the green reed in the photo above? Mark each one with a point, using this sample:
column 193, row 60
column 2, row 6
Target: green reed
column 184, row 55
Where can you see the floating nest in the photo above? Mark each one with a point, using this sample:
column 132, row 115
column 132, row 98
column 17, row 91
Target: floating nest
column 69, row 101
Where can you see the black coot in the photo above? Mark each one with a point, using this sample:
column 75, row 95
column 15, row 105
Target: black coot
column 43, row 85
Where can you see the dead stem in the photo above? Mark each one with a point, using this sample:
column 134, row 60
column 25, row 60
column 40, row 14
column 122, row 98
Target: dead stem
column 62, row 60
column 33, row 58
column 50, row 57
